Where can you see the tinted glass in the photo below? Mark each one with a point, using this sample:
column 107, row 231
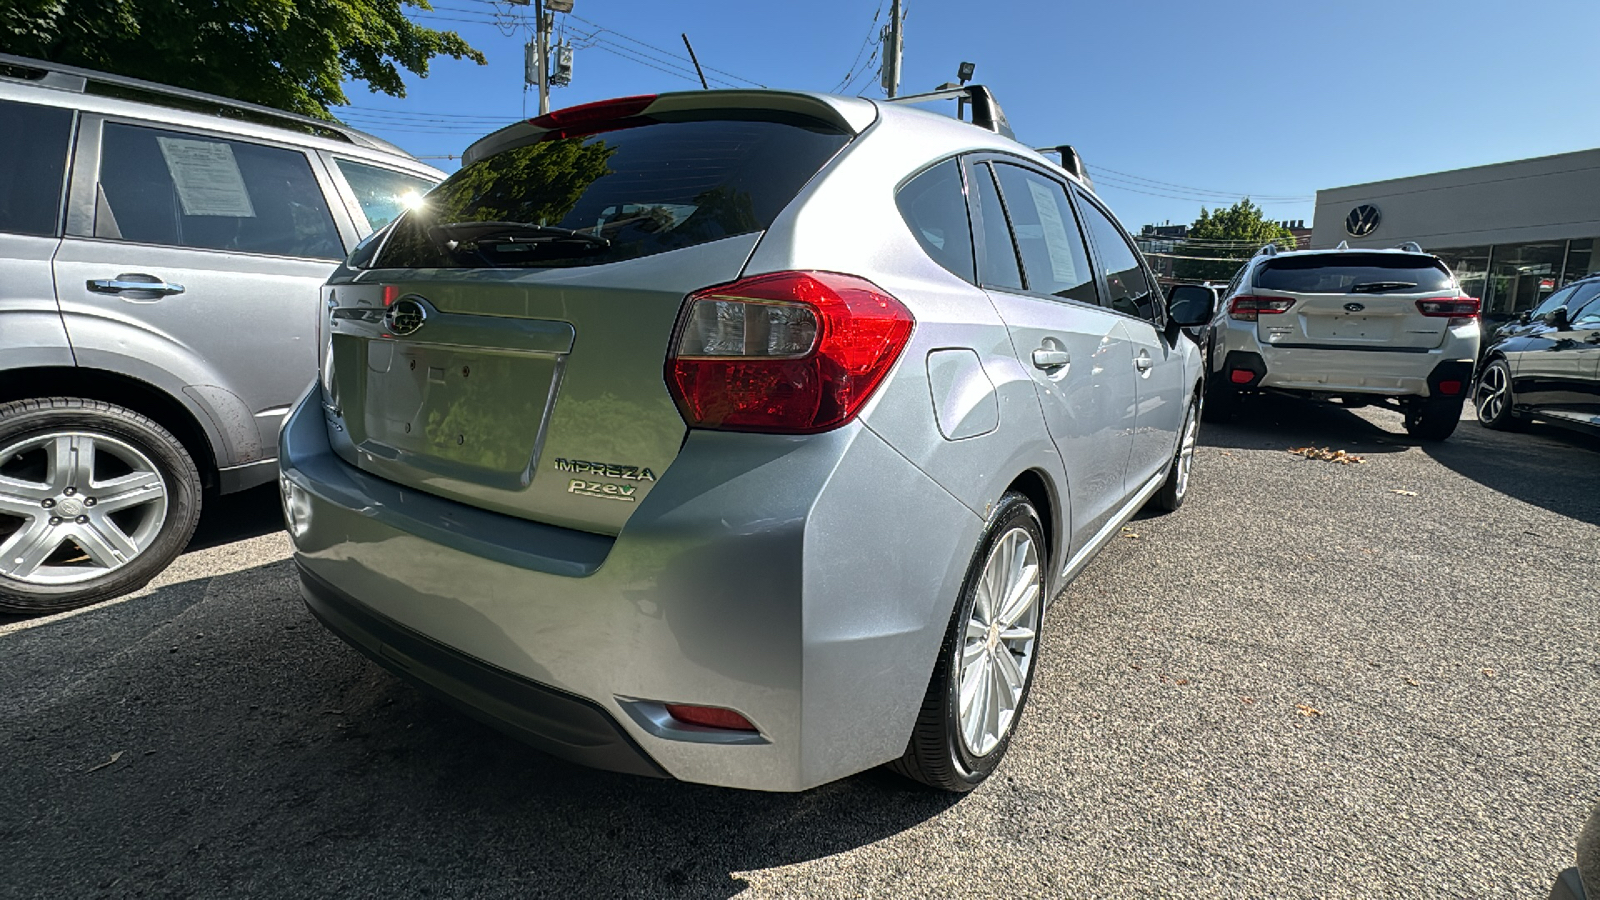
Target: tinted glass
column 186, row 190
column 997, row 266
column 1554, row 300
column 33, row 160
column 1585, row 306
column 1053, row 255
column 621, row 194
column 934, row 205
column 383, row 193
column 1126, row 283
column 1373, row 272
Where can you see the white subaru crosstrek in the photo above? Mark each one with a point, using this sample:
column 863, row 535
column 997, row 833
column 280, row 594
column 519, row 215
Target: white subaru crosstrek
column 1365, row 327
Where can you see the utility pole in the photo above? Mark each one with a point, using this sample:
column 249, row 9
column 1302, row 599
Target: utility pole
column 893, row 39
column 543, row 21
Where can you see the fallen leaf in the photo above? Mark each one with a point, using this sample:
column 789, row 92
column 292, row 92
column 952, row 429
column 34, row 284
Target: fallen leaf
column 1327, row 455
column 1489, row 672
column 1307, row 710
column 1181, row 681
column 1248, row 699
column 112, row 761
column 1402, row 493
column 1135, row 666
column 1411, row 681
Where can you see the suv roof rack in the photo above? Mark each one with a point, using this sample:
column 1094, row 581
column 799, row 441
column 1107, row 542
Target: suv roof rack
column 986, row 113
column 1410, row 247
column 1268, row 250
column 1071, row 161
column 88, row 81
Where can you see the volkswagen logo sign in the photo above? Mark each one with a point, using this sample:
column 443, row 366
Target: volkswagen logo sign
column 1354, row 307
column 405, row 316
column 1363, row 220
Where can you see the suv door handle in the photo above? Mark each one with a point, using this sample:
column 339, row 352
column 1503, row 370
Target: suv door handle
column 1142, row 362
column 119, row 284
column 1050, row 359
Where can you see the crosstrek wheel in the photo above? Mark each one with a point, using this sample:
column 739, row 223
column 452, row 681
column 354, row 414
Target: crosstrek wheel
column 1434, row 418
column 1222, row 401
column 988, row 657
column 95, row 500
column 1493, row 398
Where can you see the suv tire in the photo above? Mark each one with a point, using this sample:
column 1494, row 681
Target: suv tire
column 1493, row 399
column 95, row 499
column 1433, row 418
column 1222, row 401
column 941, row 752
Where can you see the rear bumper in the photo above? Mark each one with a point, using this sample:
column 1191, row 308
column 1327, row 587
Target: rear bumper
column 768, row 575
column 1373, row 371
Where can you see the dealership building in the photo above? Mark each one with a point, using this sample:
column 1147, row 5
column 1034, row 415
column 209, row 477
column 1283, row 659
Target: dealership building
column 1512, row 232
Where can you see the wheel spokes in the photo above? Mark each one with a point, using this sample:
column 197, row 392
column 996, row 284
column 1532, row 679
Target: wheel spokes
column 128, row 491
column 997, row 643
column 25, row 551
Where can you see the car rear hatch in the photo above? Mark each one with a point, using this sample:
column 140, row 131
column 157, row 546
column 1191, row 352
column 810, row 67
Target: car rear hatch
column 1353, row 300
column 505, row 343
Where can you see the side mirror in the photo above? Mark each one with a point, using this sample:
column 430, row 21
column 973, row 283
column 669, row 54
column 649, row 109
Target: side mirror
column 1525, row 316
column 1189, row 305
column 1557, row 318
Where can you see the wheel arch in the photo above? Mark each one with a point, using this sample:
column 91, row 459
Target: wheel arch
column 1040, row 490
column 98, row 384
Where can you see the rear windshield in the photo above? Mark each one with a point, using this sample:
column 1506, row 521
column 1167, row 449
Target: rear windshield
column 1355, row 273
column 622, row 194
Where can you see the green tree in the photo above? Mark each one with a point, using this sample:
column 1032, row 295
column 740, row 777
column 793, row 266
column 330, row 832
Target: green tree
column 289, row 54
column 1241, row 223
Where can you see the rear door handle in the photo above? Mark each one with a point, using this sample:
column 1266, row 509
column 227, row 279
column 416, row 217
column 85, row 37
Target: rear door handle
column 1142, row 362
column 1050, row 359
column 121, row 283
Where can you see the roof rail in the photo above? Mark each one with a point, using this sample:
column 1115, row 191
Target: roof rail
column 1071, row 161
column 1268, row 250
column 77, row 80
column 1410, row 247
column 986, row 112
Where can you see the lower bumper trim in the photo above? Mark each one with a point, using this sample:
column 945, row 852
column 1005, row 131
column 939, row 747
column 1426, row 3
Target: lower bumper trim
column 554, row 721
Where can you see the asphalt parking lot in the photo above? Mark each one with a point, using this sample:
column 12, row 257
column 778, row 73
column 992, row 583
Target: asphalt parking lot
column 1316, row 679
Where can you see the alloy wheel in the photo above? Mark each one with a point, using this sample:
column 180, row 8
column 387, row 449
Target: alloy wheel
column 1492, row 393
column 76, row 506
column 997, row 648
column 1191, row 433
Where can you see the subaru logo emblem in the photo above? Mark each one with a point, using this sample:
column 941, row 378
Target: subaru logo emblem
column 1363, row 220
column 405, row 316
column 1354, row 307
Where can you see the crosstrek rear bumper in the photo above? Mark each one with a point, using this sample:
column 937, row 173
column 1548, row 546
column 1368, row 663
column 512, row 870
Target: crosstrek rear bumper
column 752, row 577
column 1384, row 372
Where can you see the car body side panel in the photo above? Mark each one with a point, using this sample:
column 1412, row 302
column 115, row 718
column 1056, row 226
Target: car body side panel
column 30, row 321
column 1162, row 393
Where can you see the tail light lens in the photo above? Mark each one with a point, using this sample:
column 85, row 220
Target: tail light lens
column 789, row 352
column 1459, row 310
column 1245, row 309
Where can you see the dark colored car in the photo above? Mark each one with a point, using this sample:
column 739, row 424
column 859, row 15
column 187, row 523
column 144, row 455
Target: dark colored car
column 1547, row 368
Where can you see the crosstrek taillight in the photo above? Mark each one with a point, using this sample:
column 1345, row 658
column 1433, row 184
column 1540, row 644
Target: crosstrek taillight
column 787, row 352
column 1245, row 308
column 1459, row 310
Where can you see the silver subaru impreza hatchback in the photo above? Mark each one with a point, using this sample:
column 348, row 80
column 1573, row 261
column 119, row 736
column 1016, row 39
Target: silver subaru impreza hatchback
column 739, row 437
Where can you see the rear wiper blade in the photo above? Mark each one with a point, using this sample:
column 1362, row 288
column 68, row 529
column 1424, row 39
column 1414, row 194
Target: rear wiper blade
column 515, row 233
column 1373, row 287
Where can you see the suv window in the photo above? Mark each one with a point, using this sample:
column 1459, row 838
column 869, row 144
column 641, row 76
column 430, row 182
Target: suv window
column 998, row 264
column 1340, row 273
column 1054, row 258
column 188, row 190
column 383, row 193
column 649, row 186
column 934, row 205
column 1125, row 279
column 33, row 161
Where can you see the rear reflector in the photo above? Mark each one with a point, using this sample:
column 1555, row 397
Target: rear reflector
column 592, row 118
column 788, row 353
column 710, row 717
column 1241, row 376
column 1450, row 388
column 1245, row 308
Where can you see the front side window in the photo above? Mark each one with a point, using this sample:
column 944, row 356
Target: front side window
column 934, row 205
column 648, row 185
column 186, row 190
column 33, row 161
column 1559, row 298
column 383, row 193
column 1129, row 289
column 1053, row 255
column 1585, row 306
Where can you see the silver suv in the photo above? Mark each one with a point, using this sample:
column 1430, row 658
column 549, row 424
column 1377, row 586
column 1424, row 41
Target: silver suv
column 741, row 437
column 161, row 253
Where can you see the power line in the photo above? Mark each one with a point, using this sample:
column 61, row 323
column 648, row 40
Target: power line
column 871, row 31
column 1195, row 190
column 668, row 53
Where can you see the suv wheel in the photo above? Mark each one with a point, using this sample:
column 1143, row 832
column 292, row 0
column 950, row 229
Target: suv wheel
column 1222, row 401
column 1434, row 418
column 1493, row 398
column 987, row 661
column 95, row 500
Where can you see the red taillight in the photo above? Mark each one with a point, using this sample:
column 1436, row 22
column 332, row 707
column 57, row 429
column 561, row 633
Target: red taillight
column 592, row 118
column 1241, row 376
column 1450, row 388
column 1245, row 309
column 1459, row 310
column 790, row 352
column 390, row 294
column 709, row 717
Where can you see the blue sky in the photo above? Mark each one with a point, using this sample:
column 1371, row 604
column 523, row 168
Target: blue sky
column 1173, row 105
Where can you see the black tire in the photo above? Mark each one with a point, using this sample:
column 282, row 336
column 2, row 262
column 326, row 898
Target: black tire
column 1433, row 419
column 1222, row 401
column 937, row 755
column 1501, row 415
column 1176, row 487
column 23, row 420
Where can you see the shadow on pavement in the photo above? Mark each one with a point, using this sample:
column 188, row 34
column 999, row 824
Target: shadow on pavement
column 1277, row 422
column 236, row 517
column 258, row 754
column 1548, row 466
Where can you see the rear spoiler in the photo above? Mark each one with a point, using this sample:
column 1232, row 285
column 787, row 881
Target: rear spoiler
column 986, row 112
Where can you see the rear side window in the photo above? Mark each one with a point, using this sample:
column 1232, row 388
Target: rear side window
column 383, row 193
column 33, row 161
column 189, row 190
column 645, row 188
column 1053, row 256
column 1354, row 273
column 998, row 261
column 934, row 205
column 1129, row 289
